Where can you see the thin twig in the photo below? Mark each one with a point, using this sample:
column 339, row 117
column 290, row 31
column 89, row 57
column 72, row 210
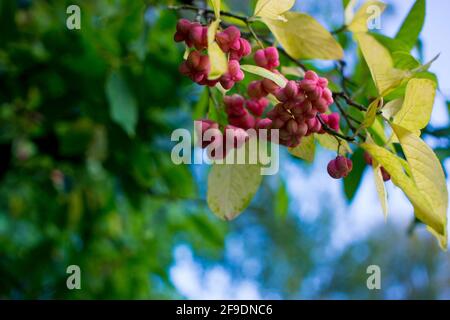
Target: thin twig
column 333, row 132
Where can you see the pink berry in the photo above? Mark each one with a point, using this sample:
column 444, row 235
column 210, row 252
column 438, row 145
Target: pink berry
column 229, row 39
column 234, row 105
column 257, row 106
column 256, row 90
column 267, row 58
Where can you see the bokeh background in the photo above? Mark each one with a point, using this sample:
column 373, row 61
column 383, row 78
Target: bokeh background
column 86, row 176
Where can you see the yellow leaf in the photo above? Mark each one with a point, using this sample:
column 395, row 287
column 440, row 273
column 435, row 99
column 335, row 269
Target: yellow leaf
column 380, row 63
column 330, row 142
column 273, row 9
column 279, row 80
column 428, row 175
column 371, row 113
column 368, row 12
column 217, row 58
column 416, row 110
column 306, row 150
column 391, row 108
column 231, row 188
column 381, row 189
column 379, row 182
column 393, row 166
column 349, row 11
column 304, row 38
column 215, row 4
column 293, row 71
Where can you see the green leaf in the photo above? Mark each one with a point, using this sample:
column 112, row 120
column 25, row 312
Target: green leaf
column 304, row 38
column 429, row 178
column 305, row 150
column 415, row 112
column 364, row 14
column 279, row 80
column 122, row 104
column 353, row 180
column 273, row 9
column 282, row 201
column 231, row 188
column 413, row 24
column 404, row 60
column 381, row 64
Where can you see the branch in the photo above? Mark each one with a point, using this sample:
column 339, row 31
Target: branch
column 208, row 11
column 332, row 132
column 349, row 101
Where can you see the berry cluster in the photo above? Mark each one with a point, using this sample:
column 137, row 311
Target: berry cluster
column 197, row 65
column 301, row 111
column 339, row 167
column 384, row 173
column 300, row 104
column 220, row 143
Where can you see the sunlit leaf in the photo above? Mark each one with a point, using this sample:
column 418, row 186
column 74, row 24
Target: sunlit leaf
column 415, row 112
column 304, row 38
column 379, row 183
column 429, row 178
column 380, row 63
column 231, row 187
column 331, row 143
column 371, row 113
column 217, row 58
column 279, row 80
column 369, row 11
column 273, row 9
column 215, row 4
column 305, row 150
column 391, row 108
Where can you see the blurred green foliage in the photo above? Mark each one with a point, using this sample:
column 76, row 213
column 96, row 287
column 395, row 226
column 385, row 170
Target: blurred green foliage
column 86, row 177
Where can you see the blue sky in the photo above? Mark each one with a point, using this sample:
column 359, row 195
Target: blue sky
column 351, row 223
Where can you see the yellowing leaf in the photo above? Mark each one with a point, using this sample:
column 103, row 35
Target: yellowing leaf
column 393, row 166
column 416, row 110
column 231, row 187
column 306, row 150
column 428, row 175
column 371, row 113
column 391, row 108
column 349, row 11
column 380, row 63
column 273, row 9
column 330, row 142
column 381, row 189
column 304, row 38
column 293, row 71
column 215, row 4
column 217, row 58
column 279, row 80
column 369, row 11
column 379, row 182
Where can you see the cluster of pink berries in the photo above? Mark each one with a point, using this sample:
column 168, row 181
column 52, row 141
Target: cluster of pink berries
column 301, row 102
column 384, row 173
column 220, row 143
column 197, row 65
